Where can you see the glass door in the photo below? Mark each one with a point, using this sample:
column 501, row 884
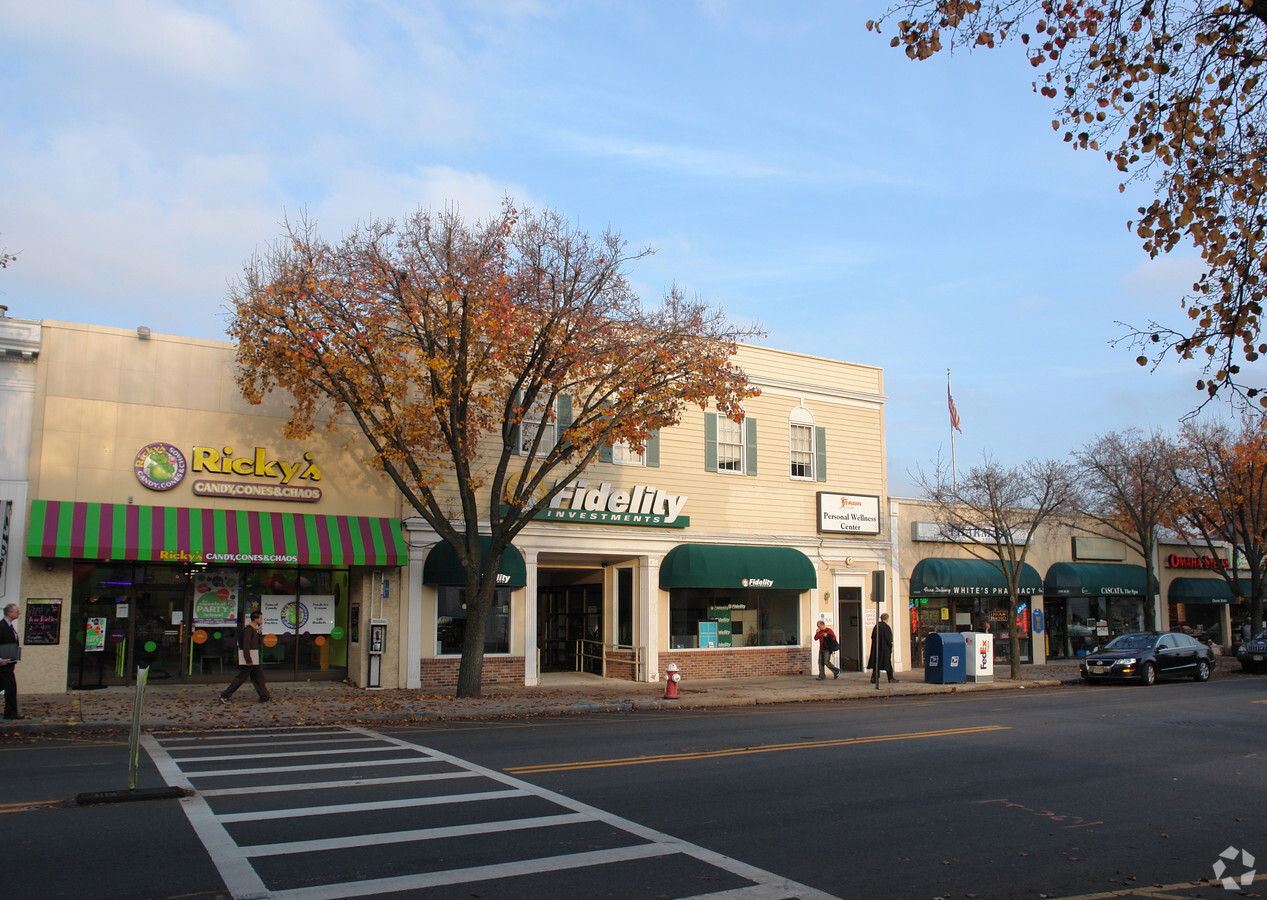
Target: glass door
column 159, row 630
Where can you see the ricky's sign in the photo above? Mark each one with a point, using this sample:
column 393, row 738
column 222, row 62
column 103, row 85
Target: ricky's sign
column 259, row 464
column 638, row 505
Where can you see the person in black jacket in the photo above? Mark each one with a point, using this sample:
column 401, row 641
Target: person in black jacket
column 9, row 661
column 250, row 661
column 881, row 650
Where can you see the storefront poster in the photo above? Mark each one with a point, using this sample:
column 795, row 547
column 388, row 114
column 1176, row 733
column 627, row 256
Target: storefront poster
column 95, row 633
column 216, row 599
column 309, row 614
column 43, row 621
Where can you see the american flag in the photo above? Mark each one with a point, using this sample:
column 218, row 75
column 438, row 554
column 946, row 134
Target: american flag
column 954, row 413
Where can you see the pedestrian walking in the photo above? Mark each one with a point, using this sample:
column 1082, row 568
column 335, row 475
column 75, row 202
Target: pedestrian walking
column 249, row 661
column 881, row 656
column 827, row 645
column 10, row 653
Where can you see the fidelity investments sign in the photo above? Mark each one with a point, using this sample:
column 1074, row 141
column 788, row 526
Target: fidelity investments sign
column 639, row 505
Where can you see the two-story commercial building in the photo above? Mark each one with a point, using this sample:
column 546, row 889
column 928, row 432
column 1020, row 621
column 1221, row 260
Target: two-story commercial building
column 154, row 508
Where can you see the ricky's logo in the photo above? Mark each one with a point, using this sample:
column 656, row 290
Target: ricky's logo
column 258, row 464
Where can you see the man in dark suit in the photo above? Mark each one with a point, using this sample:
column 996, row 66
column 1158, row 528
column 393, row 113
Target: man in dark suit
column 8, row 661
column 251, row 665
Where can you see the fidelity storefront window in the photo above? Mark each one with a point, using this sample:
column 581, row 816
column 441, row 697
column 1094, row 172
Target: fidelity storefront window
column 746, row 618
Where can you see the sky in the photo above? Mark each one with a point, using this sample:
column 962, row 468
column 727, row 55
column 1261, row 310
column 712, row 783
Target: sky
column 784, row 163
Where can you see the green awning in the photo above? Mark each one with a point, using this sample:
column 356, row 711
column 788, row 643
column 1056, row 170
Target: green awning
column 968, row 578
column 718, row 566
column 1096, row 580
column 442, row 566
column 69, row 530
column 1200, row 590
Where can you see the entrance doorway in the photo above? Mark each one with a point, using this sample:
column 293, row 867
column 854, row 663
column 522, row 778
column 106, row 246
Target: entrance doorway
column 570, row 620
column 849, row 628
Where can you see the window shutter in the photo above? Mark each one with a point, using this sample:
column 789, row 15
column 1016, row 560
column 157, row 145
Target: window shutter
column 710, row 442
column 564, row 418
column 750, row 442
column 820, row 454
column 514, row 432
column 651, row 456
column 605, row 453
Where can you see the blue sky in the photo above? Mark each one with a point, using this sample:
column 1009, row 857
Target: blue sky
column 786, row 165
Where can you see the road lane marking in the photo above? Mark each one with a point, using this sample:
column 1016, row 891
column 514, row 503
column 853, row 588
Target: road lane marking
column 235, row 863
column 744, row 751
column 335, row 808
column 234, row 745
column 414, row 834
column 288, row 753
column 320, row 767
column 329, row 785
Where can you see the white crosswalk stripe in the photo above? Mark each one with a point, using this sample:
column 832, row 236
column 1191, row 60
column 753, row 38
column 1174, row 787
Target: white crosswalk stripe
column 229, row 818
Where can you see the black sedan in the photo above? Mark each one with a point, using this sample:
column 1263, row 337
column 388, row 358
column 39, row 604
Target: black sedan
column 1253, row 653
column 1148, row 656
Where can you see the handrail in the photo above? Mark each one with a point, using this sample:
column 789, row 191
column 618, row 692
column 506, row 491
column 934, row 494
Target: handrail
column 597, row 650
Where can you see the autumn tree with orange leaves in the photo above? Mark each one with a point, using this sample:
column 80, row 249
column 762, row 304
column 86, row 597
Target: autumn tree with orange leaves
column 1171, row 91
column 446, row 343
column 1222, row 473
column 1128, row 485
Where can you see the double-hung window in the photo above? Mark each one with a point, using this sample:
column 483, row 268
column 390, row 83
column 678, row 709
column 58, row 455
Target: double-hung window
column 730, row 446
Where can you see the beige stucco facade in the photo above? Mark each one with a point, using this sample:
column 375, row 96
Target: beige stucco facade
column 93, row 397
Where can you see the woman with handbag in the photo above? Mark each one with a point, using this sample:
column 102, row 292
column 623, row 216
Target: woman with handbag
column 827, row 645
column 249, row 660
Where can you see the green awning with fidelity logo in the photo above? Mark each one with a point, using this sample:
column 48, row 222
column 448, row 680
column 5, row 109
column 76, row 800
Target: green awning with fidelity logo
column 442, row 566
column 716, row 566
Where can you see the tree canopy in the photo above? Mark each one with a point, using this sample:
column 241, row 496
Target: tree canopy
column 1171, row 91
column 456, row 348
column 1127, row 483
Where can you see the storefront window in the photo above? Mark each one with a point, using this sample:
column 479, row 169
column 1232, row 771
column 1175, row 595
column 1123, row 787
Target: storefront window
column 451, row 620
column 757, row 618
column 1204, row 621
column 1077, row 625
column 305, row 618
column 624, row 607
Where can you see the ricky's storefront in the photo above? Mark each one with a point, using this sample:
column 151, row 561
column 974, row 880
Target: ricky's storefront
column 164, row 508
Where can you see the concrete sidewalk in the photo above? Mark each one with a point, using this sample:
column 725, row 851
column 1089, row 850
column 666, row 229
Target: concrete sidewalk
column 336, row 703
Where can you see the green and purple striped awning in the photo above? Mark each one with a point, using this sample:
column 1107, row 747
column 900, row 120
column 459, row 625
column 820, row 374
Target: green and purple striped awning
column 114, row 531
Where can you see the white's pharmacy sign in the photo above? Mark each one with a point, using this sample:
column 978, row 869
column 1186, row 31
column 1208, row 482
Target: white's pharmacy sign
column 848, row 514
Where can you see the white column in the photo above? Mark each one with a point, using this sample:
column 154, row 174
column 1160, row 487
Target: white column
column 411, row 605
column 532, row 659
column 647, row 615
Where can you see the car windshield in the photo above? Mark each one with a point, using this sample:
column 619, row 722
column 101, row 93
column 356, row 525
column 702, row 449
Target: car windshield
column 1131, row 642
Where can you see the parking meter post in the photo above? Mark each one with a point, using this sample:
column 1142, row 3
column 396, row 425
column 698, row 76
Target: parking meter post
column 134, row 743
column 877, row 592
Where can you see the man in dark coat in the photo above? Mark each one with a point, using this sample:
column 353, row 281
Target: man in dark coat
column 881, row 656
column 250, row 661
column 9, row 661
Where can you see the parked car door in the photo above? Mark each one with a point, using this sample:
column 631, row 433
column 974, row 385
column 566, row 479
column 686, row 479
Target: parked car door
column 1173, row 659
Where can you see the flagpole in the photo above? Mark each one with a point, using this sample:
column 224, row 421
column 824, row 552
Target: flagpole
column 954, row 472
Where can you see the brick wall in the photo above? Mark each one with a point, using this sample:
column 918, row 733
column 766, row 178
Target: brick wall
column 620, row 664
column 750, row 661
column 443, row 672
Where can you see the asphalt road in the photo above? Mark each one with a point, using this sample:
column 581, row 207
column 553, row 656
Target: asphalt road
column 1058, row 793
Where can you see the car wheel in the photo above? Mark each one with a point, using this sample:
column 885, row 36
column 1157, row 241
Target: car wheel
column 1148, row 674
column 1203, row 671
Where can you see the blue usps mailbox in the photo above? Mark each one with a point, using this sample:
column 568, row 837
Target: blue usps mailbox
column 945, row 658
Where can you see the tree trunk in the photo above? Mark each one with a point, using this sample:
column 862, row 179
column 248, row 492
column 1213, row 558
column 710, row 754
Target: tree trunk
column 471, row 669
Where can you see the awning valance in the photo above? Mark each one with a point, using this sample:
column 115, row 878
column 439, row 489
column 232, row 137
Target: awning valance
column 1200, row 590
column 1096, row 580
column 442, row 566
column 115, row 531
column 968, row 578
column 719, row 566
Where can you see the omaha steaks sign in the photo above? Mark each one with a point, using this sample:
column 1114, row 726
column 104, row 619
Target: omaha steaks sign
column 1175, row 561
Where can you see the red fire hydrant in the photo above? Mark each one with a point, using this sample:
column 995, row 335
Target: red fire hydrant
column 671, row 678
